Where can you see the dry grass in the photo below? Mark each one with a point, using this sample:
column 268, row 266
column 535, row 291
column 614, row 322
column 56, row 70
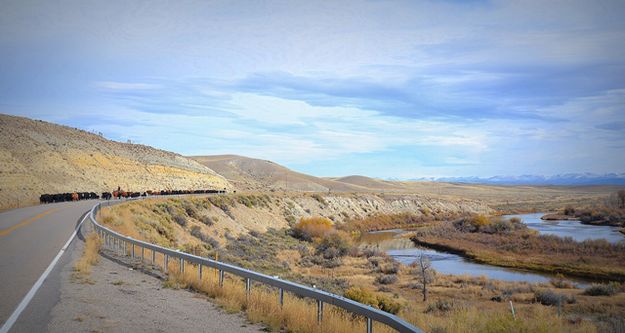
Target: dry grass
column 473, row 319
column 299, row 315
column 262, row 305
column 473, row 308
column 90, row 254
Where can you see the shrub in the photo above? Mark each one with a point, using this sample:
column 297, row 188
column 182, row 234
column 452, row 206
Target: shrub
column 330, row 263
column 388, row 305
column 386, row 279
column 480, row 220
column 496, row 225
column 548, row 297
column 389, row 268
column 181, row 220
column 609, row 289
column 333, row 245
column 197, row 232
column 384, row 221
column 365, row 296
column 309, row 228
column 377, row 261
column 559, row 282
column 371, row 252
column 319, row 199
column 207, row 220
column 440, row 306
column 361, row 295
column 190, row 211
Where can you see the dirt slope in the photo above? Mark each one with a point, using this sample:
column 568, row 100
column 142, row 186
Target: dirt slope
column 39, row 157
column 252, row 174
column 371, row 183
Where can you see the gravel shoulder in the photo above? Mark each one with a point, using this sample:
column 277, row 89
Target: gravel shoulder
column 118, row 298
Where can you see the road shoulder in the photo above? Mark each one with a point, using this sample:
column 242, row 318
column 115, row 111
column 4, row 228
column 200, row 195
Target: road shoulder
column 117, row 298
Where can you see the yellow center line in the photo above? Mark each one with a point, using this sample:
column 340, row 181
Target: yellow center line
column 26, row 222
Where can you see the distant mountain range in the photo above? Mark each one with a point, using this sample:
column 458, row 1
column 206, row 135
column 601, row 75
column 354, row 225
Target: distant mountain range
column 564, row 179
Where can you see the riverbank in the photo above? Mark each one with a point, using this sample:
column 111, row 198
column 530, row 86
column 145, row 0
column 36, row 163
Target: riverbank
column 524, row 249
column 558, row 217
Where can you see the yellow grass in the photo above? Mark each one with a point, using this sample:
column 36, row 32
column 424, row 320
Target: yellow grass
column 90, row 255
column 262, row 304
column 475, row 311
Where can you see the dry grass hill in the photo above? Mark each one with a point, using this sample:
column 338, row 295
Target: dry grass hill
column 252, row 174
column 39, row 157
column 255, row 175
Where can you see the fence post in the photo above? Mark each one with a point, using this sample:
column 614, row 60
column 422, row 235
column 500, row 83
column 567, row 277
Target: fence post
column 319, row 311
column 512, row 309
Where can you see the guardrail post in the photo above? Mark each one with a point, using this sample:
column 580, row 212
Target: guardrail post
column 221, row 278
column 133, row 250
column 200, row 271
column 142, row 253
column 153, row 256
column 181, row 265
column 248, row 287
column 281, row 292
column 369, row 325
column 166, row 263
column 125, row 253
column 319, row 311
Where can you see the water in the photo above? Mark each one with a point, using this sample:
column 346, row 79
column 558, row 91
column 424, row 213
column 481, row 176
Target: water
column 403, row 250
column 573, row 229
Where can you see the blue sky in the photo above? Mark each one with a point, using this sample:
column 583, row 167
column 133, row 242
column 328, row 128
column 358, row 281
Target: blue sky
column 391, row 89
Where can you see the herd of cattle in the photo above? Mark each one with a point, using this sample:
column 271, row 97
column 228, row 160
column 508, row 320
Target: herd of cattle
column 75, row 196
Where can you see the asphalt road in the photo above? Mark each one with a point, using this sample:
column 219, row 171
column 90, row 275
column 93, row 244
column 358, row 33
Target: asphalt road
column 30, row 238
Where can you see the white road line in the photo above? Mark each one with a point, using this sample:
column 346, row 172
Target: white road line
column 24, row 303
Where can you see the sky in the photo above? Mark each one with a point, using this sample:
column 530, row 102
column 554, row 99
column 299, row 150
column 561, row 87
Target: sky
column 390, row 89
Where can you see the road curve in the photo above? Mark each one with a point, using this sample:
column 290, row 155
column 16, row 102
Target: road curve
column 30, row 238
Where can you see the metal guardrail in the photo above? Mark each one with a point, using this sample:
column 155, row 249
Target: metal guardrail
column 119, row 241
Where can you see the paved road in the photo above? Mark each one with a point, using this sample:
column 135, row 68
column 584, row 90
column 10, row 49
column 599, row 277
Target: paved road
column 29, row 239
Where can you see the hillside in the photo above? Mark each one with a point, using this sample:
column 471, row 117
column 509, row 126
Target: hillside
column 371, row 183
column 255, row 175
column 252, row 174
column 39, row 157
column 224, row 217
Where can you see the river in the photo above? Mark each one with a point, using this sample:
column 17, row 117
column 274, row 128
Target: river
column 403, row 249
column 573, row 229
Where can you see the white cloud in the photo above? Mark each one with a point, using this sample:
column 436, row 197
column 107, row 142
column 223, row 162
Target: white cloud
column 126, row 86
